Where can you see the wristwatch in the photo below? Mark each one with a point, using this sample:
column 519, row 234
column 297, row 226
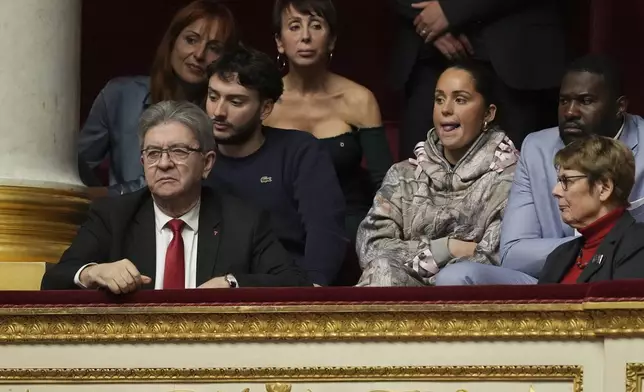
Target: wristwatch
column 232, row 282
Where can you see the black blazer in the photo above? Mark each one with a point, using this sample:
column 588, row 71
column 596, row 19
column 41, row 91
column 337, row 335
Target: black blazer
column 619, row 256
column 233, row 238
column 523, row 39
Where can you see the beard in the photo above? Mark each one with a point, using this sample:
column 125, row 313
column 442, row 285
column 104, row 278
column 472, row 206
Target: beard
column 240, row 134
column 607, row 126
column 569, row 137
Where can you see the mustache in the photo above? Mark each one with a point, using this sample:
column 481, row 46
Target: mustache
column 221, row 121
column 572, row 124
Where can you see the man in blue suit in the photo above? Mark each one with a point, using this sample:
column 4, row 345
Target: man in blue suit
column 590, row 102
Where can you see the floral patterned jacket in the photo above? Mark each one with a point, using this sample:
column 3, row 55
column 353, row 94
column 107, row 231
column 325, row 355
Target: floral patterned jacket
column 403, row 241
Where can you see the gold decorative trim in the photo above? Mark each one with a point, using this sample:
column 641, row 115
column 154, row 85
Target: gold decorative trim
column 410, row 322
column 618, row 322
column 243, row 326
column 634, row 377
column 611, row 305
column 574, row 374
column 38, row 224
column 268, row 307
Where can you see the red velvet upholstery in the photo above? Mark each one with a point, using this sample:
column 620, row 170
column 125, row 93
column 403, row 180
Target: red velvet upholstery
column 608, row 291
column 627, row 290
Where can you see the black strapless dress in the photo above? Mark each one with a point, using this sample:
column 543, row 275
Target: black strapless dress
column 359, row 183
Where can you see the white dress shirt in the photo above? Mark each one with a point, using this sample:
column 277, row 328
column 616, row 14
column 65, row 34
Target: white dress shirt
column 163, row 236
column 190, row 235
column 621, row 129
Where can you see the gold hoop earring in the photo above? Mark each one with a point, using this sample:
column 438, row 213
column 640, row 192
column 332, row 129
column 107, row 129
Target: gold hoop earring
column 281, row 61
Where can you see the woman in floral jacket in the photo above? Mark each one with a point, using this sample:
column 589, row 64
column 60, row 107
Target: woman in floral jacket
column 447, row 204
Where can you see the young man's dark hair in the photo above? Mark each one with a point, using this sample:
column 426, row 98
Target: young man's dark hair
column 284, row 172
column 253, row 69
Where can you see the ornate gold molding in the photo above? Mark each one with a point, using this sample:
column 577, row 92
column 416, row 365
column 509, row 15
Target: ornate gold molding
column 619, row 322
column 634, row 377
column 38, row 224
column 574, row 374
column 410, row 322
column 277, row 387
column 218, row 325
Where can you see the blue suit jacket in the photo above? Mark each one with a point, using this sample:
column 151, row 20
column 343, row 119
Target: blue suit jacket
column 111, row 129
column 532, row 227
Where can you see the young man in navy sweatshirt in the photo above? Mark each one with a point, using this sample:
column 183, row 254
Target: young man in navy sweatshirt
column 282, row 171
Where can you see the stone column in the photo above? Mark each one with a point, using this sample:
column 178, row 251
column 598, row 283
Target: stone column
column 41, row 196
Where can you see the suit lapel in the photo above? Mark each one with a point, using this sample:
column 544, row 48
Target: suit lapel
column 630, row 134
column 593, row 266
column 565, row 260
column 209, row 235
column 605, row 254
column 142, row 242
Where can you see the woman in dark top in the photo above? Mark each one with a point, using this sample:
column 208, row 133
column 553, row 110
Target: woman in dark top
column 595, row 177
column 342, row 114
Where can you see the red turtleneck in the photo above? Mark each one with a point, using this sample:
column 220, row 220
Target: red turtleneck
column 593, row 235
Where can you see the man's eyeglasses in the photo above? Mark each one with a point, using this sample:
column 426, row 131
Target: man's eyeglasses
column 153, row 155
column 565, row 181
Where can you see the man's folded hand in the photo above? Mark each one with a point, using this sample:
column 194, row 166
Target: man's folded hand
column 119, row 277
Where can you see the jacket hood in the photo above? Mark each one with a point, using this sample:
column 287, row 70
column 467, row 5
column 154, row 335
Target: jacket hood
column 491, row 151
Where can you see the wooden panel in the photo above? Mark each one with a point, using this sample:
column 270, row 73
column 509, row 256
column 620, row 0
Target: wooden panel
column 21, row 276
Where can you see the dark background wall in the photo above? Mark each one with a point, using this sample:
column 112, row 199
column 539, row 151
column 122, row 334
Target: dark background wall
column 117, row 42
column 617, row 29
column 120, row 37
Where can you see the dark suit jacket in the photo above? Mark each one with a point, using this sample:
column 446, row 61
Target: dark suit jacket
column 233, row 238
column 619, row 256
column 523, row 39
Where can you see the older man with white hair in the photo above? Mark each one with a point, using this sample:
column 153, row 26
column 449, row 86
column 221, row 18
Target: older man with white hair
column 174, row 233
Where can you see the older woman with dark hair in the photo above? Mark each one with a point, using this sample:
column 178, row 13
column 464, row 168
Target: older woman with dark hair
column 342, row 114
column 595, row 177
column 196, row 37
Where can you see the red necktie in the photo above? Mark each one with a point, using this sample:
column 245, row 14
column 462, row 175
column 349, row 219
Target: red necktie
column 174, row 276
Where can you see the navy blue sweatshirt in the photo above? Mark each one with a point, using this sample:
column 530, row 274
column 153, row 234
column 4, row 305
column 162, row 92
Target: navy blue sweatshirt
column 293, row 179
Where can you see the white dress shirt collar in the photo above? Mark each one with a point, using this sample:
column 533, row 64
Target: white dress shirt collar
column 191, row 218
column 621, row 129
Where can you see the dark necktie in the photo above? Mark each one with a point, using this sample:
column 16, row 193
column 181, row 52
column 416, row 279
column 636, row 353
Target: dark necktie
column 174, row 276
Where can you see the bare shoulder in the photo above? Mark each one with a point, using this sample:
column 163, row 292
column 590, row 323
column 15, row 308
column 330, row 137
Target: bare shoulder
column 356, row 94
column 361, row 104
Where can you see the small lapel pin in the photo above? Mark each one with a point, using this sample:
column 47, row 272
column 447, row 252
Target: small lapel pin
column 215, row 232
column 598, row 259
